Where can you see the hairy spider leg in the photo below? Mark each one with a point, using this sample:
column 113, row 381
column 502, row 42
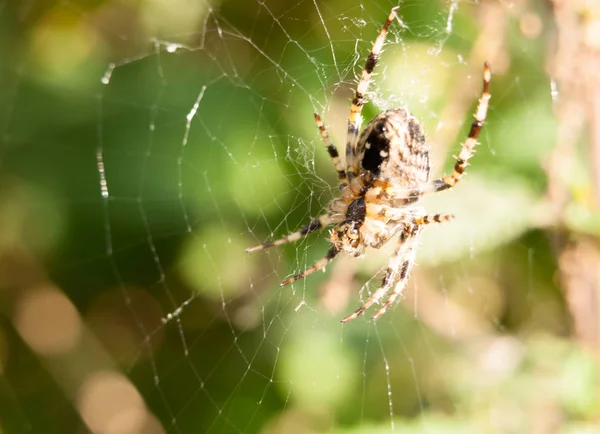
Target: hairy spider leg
column 320, row 264
column 332, row 150
column 400, row 215
column 410, row 258
column 355, row 119
column 398, row 269
column 409, row 261
column 466, row 152
column 314, row 225
column 430, row 219
column 402, row 260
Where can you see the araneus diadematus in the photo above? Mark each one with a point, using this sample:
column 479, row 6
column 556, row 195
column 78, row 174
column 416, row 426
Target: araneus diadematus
column 386, row 173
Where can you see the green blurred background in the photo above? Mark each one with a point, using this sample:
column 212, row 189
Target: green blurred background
column 146, row 144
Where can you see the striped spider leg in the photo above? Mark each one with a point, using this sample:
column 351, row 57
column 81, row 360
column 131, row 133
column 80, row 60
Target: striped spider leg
column 359, row 99
column 466, row 152
column 400, row 264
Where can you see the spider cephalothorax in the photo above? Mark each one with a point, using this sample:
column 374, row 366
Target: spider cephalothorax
column 385, row 175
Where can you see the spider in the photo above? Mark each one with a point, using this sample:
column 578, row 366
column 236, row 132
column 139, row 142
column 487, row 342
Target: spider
column 386, row 174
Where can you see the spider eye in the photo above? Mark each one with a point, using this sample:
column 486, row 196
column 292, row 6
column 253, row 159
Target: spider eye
column 353, row 233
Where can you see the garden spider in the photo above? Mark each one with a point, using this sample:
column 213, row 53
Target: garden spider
column 386, row 174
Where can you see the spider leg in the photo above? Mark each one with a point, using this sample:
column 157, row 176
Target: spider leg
column 466, row 151
column 409, row 260
column 398, row 268
column 331, row 149
column 435, row 218
column 355, row 119
column 321, row 263
column 376, row 211
column 315, row 224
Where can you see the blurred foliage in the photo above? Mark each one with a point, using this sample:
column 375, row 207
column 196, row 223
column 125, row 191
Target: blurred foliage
column 198, row 119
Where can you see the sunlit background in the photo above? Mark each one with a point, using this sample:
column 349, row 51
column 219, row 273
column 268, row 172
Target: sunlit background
column 146, row 144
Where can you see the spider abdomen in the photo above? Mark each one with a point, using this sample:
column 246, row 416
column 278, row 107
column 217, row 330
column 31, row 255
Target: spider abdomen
column 393, row 147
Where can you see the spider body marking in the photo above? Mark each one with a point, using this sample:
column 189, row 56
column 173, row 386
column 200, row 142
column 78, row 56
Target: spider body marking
column 392, row 151
column 385, row 175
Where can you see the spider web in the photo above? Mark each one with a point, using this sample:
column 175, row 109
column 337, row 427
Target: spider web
column 147, row 144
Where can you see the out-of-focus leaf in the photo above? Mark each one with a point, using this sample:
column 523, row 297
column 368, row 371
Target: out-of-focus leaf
column 488, row 213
